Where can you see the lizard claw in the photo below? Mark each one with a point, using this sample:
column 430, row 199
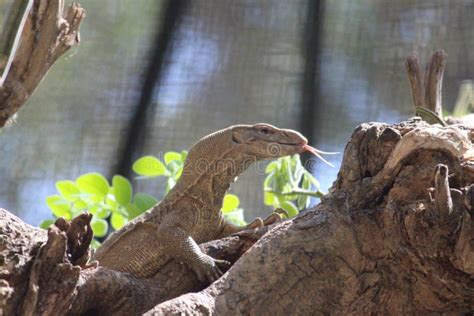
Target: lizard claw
column 223, row 264
column 248, row 231
column 256, row 223
column 209, row 269
column 275, row 217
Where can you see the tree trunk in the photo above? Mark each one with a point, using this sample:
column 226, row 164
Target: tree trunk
column 393, row 236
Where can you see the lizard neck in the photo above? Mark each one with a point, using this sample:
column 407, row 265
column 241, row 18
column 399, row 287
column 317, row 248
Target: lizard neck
column 208, row 180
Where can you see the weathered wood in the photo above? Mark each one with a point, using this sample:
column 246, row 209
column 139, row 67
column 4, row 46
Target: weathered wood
column 40, row 267
column 375, row 245
column 10, row 34
column 412, row 65
column 47, row 34
column 427, row 93
column 434, row 82
column 19, row 244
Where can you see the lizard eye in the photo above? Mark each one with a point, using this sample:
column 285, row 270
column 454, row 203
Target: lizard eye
column 264, row 131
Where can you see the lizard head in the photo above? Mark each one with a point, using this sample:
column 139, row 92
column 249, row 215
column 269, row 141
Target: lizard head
column 264, row 141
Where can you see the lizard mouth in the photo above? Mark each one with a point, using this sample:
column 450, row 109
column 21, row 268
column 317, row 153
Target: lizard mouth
column 303, row 146
column 318, row 153
column 302, row 143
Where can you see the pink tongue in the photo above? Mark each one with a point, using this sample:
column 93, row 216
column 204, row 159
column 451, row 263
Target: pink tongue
column 317, row 153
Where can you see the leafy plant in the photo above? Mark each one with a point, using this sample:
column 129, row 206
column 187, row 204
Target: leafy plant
column 93, row 193
column 288, row 185
column 231, row 210
column 151, row 166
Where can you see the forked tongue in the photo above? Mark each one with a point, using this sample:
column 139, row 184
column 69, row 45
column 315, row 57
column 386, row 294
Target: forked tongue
column 318, row 153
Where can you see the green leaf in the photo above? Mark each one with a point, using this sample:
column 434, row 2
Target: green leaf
column 231, row 202
column 299, row 173
column 267, row 183
column 75, row 212
column 172, row 156
column 103, row 212
column 313, row 180
column 269, row 199
column 111, row 203
column 144, row 201
column 95, row 184
column 133, row 211
column 178, row 174
column 46, row 223
column 99, row 210
column 117, row 220
column 122, row 190
column 171, row 184
column 149, row 166
column 80, row 205
column 95, row 244
column 289, row 172
column 68, row 190
column 302, row 202
column 304, row 199
column 306, row 184
column 281, row 178
column 59, row 206
column 174, row 166
column 236, row 217
column 290, row 208
column 271, row 166
column 184, row 154
column 99, row 226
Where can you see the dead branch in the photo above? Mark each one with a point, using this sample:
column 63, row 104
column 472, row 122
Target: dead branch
column 427, row 93
column 413, row 69
column 47, row 34
column 434, row 82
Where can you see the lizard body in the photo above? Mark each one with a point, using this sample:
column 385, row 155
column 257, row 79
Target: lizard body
column 190, row 213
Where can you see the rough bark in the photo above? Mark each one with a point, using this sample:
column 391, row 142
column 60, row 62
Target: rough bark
column 45, row 272
column 377, row 244
column 47, row 34
column 427, row 93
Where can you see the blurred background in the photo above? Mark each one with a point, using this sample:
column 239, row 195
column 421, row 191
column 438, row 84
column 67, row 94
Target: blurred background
column 152, row 76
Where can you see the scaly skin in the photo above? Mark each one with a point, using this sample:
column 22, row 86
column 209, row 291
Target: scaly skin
column 190, row 213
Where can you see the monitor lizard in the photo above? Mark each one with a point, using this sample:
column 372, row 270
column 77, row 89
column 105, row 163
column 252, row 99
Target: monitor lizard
column 190, row 213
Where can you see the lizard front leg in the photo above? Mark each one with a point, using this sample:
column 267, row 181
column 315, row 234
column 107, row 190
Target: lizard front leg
column 179, row 245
